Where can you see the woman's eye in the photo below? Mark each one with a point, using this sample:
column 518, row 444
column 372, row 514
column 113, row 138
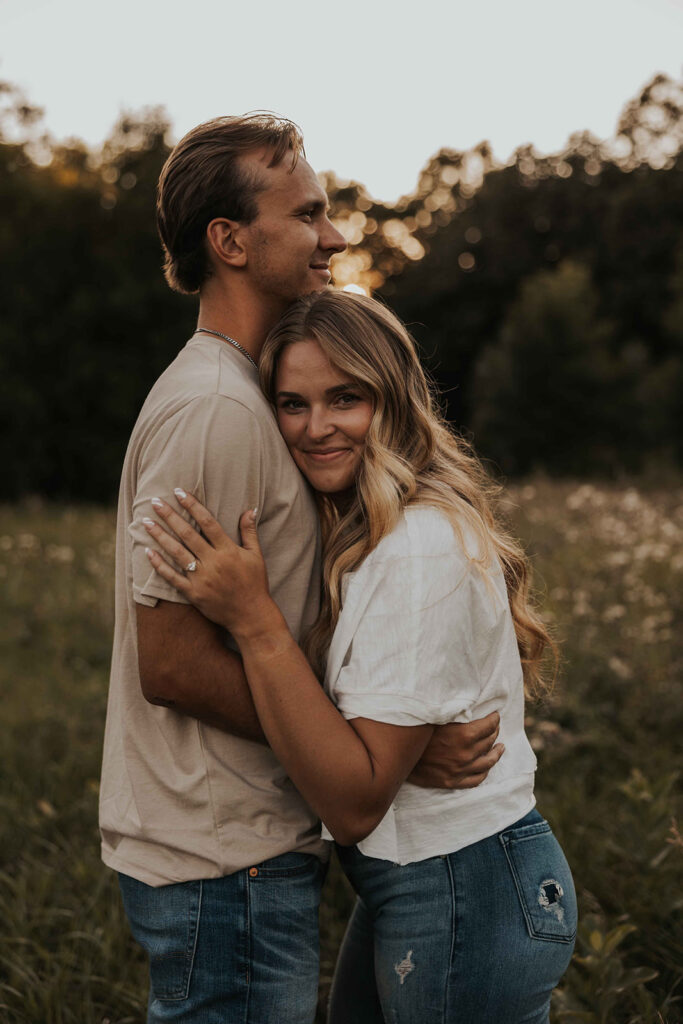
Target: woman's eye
column 347, row 399
column 291, row 405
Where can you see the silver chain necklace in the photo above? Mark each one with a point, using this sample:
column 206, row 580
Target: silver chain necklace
column 217, row 334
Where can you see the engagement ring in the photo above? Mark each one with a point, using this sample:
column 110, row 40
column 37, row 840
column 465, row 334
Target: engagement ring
column 191, row 567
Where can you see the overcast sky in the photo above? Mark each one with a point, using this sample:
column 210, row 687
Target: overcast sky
column 377, row 85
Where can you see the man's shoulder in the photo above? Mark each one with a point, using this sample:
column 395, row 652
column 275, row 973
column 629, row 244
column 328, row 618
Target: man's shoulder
column 204, row 381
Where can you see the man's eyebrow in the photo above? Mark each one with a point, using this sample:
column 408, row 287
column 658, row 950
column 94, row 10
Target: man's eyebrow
column 316, row 205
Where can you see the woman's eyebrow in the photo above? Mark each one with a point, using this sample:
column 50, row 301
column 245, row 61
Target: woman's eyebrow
column 337, row 389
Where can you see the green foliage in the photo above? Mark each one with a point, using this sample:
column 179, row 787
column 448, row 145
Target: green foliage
column 550, row 389
column 65, row 957
column 597, row 979
column 607, row 743
column 611, row 207
column 88, row 321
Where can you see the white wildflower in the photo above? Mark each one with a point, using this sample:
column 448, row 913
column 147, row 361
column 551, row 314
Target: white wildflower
column 620, row 668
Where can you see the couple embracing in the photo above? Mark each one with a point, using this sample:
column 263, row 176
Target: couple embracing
column 319, row 618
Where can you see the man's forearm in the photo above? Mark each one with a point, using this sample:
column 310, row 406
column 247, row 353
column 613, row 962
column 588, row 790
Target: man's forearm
column 185, row 665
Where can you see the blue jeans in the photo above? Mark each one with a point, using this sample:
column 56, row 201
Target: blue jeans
column 242, row 949
column 480, row 936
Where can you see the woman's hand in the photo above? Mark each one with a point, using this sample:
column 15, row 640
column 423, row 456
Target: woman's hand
column 227, row 583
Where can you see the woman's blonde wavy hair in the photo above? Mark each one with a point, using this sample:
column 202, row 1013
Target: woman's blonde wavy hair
column 411, row 457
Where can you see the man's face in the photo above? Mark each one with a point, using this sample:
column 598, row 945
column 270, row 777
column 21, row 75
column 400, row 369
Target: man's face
column 290, row 242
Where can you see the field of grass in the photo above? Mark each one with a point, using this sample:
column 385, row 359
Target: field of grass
column 610, row 560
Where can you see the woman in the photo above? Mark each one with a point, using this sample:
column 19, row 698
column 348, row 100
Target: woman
column 466, row 908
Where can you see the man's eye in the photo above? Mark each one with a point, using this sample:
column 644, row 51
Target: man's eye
column 308, row 215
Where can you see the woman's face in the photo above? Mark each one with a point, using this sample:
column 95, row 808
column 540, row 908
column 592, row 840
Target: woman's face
column 323, row 416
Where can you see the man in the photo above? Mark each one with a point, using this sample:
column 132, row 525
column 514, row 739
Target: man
column 219, row 859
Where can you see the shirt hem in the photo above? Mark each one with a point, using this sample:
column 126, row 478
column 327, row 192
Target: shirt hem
column 450, row 840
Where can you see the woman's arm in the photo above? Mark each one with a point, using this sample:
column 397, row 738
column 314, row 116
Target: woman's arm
column 347, row 771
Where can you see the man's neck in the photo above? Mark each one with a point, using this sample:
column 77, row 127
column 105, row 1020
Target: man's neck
column 244, row 317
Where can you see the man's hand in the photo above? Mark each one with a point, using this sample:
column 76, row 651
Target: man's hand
column 459, row 756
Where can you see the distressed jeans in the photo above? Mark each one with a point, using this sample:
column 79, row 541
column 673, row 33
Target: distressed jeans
column 242, row 949
column 481, row 936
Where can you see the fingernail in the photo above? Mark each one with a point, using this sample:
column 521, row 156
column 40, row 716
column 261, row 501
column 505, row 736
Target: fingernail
column 157, row 502
column 148, row 551
column 179, row 492
column 147, row 521
column 254, row 513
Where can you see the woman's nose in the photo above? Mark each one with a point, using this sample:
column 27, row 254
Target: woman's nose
column 319, row 424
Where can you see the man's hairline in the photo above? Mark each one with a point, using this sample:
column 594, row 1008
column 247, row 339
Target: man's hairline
column 260, row 185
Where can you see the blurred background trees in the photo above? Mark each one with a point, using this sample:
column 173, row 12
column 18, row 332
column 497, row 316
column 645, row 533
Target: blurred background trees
column 546, row 294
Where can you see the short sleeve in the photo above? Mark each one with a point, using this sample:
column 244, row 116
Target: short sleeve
column 411, row 660
column 212, row 448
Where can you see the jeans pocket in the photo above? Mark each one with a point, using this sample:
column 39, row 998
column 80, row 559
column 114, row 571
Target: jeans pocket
column 165, row 921
column 543, row 881
column 287, row 865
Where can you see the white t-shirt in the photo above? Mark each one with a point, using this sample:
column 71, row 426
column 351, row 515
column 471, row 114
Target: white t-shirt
column 425, row 636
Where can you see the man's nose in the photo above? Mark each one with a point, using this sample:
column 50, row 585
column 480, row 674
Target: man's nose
column 331, row 240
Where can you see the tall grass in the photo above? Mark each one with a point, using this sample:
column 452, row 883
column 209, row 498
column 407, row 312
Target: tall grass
column 611, row 562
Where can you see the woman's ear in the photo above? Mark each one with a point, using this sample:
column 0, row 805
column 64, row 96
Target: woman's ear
column 225, row 243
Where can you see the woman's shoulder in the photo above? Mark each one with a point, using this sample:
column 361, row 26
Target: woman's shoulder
column 423, row 531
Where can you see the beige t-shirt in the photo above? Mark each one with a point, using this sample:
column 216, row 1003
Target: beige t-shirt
column 180, row 799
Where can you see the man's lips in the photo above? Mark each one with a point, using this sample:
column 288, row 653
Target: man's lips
column 320, row 266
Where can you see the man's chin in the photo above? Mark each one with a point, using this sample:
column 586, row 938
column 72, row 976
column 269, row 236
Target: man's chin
column 309, row 289
column 316, row 289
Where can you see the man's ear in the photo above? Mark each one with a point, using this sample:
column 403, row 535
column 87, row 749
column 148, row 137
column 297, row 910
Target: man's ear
column 225, row 242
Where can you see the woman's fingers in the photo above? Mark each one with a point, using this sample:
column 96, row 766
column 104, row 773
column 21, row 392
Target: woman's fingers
column 191, row 538
column 210, row 527
column 175, row 549
column 248, row 531
column 226, row 582
column 176, row 579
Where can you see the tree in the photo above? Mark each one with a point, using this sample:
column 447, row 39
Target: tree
column 549, row 394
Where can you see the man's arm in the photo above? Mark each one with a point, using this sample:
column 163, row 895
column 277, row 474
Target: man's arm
column 184, row 665
column 215, row 443
column 459, row 756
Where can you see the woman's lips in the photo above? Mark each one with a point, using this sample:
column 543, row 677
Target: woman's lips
column 327, row 456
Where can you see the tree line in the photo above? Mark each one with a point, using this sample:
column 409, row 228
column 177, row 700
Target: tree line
column 546, row 294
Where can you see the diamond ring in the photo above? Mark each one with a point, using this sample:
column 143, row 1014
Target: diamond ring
column 191, row 567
